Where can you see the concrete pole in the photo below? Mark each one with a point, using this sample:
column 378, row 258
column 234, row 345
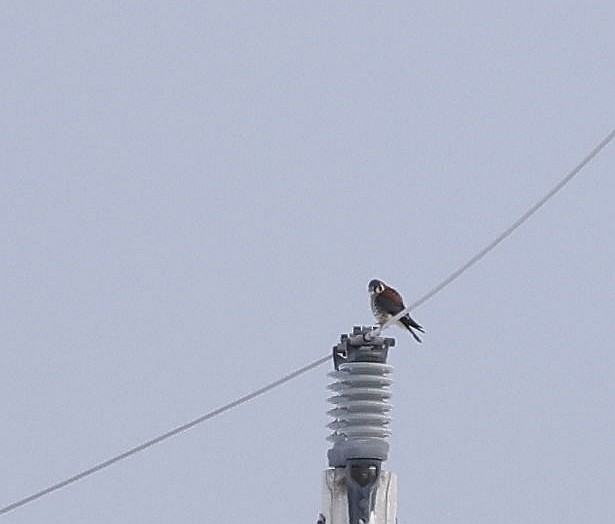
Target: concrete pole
column 355, row 489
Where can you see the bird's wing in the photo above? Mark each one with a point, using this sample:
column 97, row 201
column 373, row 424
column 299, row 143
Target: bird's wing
column 390, row 300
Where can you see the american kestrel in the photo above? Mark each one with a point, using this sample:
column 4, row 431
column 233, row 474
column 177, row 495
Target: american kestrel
column 386, row 303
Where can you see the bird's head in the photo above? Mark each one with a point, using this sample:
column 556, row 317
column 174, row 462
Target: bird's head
column 376, row 286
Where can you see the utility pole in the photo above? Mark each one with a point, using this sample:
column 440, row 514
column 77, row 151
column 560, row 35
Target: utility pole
column 355, row 488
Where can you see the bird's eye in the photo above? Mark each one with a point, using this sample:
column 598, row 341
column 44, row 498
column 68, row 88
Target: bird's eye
column 379, row 288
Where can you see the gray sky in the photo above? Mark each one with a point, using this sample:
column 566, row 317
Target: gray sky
column 195, row 197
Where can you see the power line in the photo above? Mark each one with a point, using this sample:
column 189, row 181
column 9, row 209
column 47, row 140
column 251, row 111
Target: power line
column 290, row 376
column 168, row 434
column 506, row 233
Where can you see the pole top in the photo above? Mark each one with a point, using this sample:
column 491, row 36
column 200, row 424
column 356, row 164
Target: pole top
column 362, row 407
column 361, row 347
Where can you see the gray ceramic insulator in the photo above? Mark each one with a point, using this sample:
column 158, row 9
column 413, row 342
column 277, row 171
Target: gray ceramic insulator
column 361, row 413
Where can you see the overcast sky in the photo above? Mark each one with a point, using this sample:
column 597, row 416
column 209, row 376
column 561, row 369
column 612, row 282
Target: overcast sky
column 194, row 197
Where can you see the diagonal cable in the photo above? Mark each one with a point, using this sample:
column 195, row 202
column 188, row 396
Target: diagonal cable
column 503, row 236
column 165, row 436
column 448, row 280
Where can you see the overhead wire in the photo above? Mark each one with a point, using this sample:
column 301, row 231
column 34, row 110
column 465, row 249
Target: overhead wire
column 504, row 235
column 164, row 436
column 290, row 376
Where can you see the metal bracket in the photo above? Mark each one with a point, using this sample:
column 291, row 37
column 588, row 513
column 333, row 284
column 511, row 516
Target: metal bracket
column 361, row 482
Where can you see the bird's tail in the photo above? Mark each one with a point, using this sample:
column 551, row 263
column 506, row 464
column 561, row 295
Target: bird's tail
column 410, row 323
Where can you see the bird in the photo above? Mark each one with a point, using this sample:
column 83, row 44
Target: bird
column 386, row 303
